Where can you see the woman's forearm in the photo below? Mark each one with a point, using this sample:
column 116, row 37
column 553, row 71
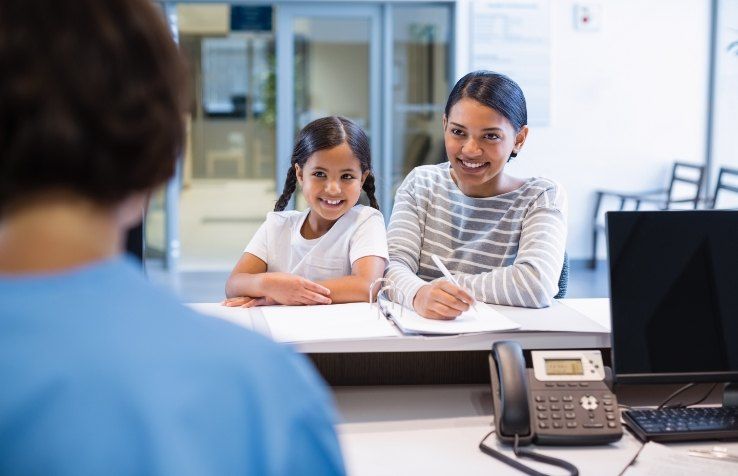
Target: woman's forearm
column 405, row 281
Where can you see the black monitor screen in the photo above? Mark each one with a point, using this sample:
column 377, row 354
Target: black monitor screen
column 674, row 295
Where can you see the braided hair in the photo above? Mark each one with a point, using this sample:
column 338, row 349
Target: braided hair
column 326, row 133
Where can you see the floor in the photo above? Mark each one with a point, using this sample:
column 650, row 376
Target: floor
column 208, row 286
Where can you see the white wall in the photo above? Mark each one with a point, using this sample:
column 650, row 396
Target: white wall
column 626, row 100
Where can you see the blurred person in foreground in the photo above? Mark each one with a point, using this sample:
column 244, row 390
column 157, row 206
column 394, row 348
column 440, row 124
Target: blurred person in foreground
column 101, row 373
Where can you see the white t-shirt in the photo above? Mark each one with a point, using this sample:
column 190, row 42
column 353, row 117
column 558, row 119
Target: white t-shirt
column 358, row 233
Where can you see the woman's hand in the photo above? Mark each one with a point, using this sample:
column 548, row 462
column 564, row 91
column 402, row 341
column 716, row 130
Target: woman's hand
column 285, row 288
column 442, row 300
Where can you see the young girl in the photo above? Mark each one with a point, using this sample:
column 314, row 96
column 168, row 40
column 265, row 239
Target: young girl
column 503, row 237
column 329, row 253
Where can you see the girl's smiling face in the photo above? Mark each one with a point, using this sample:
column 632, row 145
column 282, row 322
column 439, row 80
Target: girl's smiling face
column 479, row 141
column 331, row 182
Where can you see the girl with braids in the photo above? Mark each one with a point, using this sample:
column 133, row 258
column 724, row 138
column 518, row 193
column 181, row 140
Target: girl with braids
column 329, row 253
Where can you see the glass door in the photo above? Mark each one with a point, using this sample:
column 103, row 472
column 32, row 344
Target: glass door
column 329, row 62
column 226, row 183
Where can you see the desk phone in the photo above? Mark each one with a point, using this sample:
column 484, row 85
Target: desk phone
column 562, row 400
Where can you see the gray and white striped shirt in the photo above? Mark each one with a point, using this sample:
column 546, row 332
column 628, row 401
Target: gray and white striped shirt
column 507, row 249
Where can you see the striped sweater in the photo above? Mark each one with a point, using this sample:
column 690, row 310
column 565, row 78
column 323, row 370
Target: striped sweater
column 507, row 249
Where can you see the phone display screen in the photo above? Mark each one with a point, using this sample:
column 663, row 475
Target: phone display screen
column 564, row 367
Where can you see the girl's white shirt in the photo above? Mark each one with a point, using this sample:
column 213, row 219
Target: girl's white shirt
column 358, row 233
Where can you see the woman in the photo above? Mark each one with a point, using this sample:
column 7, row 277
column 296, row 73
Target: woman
column 502, row 237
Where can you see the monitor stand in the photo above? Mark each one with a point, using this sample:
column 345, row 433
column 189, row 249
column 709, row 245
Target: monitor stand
column 730, row 395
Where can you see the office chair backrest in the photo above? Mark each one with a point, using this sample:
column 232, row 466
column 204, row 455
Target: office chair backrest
column 727, row 182
column 690, row 174
column 416, row 150
column 563, row 278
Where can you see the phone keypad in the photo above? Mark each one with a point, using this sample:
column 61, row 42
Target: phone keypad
column 575, row 408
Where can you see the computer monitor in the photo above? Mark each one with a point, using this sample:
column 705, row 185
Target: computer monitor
column 674, row 295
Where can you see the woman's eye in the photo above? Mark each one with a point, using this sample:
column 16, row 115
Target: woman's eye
column 491, row 136
column 319, row 174
column 347, row 176
column 457, row 132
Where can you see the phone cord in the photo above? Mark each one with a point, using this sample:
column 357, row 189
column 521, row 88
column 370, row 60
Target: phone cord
column 573, row 471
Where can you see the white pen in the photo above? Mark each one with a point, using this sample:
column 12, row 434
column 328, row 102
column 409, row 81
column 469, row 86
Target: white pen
column 449, row 276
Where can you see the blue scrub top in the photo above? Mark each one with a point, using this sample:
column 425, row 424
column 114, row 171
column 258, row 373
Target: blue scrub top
column 101, row 373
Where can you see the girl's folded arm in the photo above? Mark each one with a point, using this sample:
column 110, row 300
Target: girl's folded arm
column 355, row 288
column 246, row 279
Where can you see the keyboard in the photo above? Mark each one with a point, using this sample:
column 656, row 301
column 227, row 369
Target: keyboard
column 684, row 424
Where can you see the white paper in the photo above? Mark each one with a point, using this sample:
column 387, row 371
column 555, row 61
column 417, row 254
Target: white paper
column 331, row 322
column 656, row 459
column 237, row 315
column 484, row 319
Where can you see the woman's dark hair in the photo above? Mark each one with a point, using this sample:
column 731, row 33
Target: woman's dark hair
column 327, row 133
column 493, row 90
column 92, row 99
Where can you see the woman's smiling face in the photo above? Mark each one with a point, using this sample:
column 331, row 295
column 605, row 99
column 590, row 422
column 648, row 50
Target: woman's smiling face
column 479, row 141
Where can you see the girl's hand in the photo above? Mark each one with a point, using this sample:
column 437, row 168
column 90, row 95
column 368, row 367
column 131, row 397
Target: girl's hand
column 442, row 300
column 285, row 288
column 236, row 301
column 262, row 301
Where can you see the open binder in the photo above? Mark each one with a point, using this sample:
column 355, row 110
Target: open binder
column 482, row 319
column 373, row 319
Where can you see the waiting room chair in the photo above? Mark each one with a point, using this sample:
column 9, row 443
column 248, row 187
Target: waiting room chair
column 727, row 182
column 682, row 174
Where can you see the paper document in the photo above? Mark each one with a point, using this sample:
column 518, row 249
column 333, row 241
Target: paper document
column 237, row 315
column 484, row 319
column 656, row 459
column 335, row 321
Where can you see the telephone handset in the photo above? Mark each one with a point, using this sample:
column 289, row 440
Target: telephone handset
column 563, row 400
column 510, row 393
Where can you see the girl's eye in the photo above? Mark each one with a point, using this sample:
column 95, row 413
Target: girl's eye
column 457, row 132
column 347, row 176
column 319, row 174
column 491, row 136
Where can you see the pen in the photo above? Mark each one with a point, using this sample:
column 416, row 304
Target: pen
column 449, row 276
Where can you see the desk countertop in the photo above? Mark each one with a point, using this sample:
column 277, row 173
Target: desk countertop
column 436, row 430
column 568, row 323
